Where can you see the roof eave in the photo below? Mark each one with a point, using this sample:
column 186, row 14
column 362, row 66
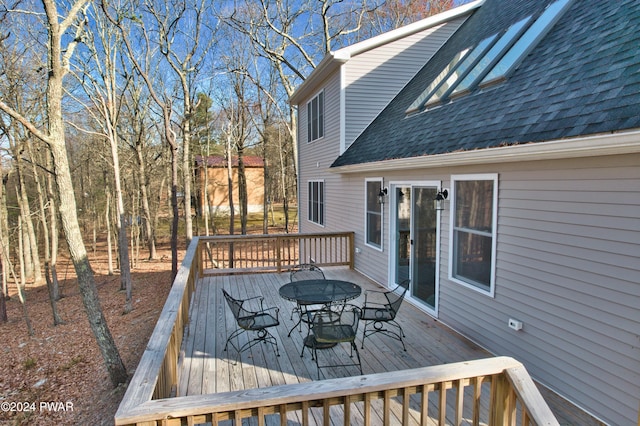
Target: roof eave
column 591, row 146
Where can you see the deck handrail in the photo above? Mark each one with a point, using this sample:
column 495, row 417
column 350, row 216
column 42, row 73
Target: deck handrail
column 226, row 254
column 149, row 396
column 507, row 377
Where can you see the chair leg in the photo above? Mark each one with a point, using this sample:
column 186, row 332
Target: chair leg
column 378, row 327
column 354, row 346
column 263, row 336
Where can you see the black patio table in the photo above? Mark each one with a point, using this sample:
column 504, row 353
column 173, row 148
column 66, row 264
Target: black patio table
column 318, row 292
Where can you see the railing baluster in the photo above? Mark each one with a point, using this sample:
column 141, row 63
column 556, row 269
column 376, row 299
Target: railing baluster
column 459, row 401
column 386, row 408
column 406, row 400
column 477, row 393
column 442, row 406
column 424, row 408
column 347, row 410
column 283, row 414
column 367, row 409
column 326, row 413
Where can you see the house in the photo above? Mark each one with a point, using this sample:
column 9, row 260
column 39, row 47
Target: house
column 217, row 183
column 525, row 126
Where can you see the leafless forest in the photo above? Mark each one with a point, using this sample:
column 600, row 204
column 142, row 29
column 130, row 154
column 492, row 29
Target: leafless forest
column 105, row 105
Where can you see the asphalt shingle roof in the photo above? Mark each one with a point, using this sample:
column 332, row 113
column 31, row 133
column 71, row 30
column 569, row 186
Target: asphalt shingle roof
column 582, row 78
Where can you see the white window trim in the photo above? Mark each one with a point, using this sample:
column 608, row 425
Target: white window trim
column 324, row 202
column 494, row 233
column 324, row 100
column 366, row 230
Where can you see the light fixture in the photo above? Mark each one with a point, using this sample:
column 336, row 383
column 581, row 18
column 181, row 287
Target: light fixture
column 438, row 202
column 382, row 195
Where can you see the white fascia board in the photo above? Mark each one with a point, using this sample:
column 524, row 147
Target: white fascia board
column 334, row 59
column 325, row 68
column 407, row 30
column 590, row 146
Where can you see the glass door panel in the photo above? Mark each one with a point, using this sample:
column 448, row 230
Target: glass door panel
column 424, row 236
column 402, row 232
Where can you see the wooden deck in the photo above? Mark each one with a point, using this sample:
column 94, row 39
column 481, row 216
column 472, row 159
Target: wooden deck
column 205, row 368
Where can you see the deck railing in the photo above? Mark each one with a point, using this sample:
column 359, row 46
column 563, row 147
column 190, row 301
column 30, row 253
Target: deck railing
column 446, row 394
column 273, row 252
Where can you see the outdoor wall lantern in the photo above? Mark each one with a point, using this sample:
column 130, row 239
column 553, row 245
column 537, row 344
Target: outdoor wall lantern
column 438, row 202
column 382, row 195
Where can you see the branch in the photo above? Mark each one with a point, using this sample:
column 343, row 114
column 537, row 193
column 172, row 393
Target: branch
column 26, row 123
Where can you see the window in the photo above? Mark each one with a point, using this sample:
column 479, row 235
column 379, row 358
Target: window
column 316, row 202
column 315, row 117
column 492, row 56
column 527, row 42
column 426, row 94
column 490, row 61
column 373, row 220
column 473, row 236
column 461, row 70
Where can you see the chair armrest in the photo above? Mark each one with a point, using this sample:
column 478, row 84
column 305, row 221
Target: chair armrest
column 374, row 305
column 272, row 308
column 373, row 293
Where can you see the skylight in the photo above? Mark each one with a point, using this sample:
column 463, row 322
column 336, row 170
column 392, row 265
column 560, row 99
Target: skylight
column 461, row 70
column 492, row 56
column 418, row 103
column 527, row 42
column 490, row 61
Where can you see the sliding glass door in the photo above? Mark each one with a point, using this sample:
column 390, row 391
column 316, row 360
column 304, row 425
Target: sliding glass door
column 416, row 240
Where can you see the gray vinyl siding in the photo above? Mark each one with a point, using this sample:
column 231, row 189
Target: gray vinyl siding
column 568, row 268
column 316, row 156
column 374, row 77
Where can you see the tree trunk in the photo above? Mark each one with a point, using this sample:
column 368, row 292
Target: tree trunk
column 53, row 220
column 86, row 279
column 146, row 210
column 67, row 206
column 30, row 255
column 242, row 192
column 3, row 300
column 53, row 294
column 174, row 208
column 23, row 300
column 107, row 218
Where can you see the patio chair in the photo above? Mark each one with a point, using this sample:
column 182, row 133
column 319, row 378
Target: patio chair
column 380, row 313
column 329, row 331
column 255, row 321
column 304, row 271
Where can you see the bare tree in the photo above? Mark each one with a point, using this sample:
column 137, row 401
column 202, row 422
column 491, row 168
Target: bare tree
column 99, row 78
column 123, row 20
column 69, row 27
column 185, row 41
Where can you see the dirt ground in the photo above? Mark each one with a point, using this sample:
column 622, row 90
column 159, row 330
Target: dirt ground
column 57, row 376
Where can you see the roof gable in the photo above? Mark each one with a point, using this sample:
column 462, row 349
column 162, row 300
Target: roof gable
column 582, row 78
column 334, row 59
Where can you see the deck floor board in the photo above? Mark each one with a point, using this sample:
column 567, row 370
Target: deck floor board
column 206, row 368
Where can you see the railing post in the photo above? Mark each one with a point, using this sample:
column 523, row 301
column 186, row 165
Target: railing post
column 499, row 405
column 200, row 259
column 278, row 256
column 352, row 251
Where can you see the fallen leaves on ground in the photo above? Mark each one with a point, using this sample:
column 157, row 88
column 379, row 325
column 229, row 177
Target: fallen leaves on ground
column 57, row 376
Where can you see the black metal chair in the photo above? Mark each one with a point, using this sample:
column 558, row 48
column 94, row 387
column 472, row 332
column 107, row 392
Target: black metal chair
column 384, row 311
column 305, row 271
column 258, row 321
column 329, row 331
